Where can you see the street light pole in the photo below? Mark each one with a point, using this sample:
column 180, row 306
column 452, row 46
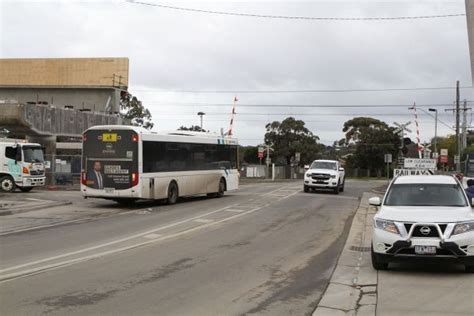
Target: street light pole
column 436, row 129
column 201, row 114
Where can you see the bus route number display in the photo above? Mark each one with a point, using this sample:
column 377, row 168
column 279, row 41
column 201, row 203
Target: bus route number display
column 109, row 137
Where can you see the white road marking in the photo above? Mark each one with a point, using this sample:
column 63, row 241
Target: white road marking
column 234, row 210
column 111, row 242
column 202, row 220
column 152, row 236
column 24, row 273
column 32, row 199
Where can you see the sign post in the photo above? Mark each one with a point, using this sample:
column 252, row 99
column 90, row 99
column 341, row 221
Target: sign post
column 388, row 161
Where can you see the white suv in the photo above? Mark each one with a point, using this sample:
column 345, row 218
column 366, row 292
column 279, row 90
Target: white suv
column 325, row 174
column 423, row 218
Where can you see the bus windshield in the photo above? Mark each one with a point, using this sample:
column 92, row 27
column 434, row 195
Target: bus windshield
column 110, row 159
column 33, row 154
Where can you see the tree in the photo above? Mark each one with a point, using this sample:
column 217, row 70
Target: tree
column 193, row 128
column 289, row 137
column 372, row 139
column 132, row 109
column 249, row 154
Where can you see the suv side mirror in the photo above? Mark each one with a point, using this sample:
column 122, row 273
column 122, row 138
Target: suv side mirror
column 375, row 201
column 341, row 169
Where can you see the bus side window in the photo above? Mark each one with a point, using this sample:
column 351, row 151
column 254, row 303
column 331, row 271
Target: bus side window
column 11, row 153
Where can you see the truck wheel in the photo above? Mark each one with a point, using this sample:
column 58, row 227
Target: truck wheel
column 7, row 184
column 306, row 188
column 336, row 190
column 342, row 187
column 376, row 263
column 173, row 193
column 28, row 189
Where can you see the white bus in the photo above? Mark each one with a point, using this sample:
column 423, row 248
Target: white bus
column 126, row 163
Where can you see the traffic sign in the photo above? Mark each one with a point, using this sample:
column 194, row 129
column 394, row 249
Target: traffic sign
column 415, row 163
column 388, row 158
column 261, row 149
column 260, row 154
column 444, row 152
column 443, row 159
column 412, row 172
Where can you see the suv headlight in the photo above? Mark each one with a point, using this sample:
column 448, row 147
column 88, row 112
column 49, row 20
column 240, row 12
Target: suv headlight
column 308, row 175
column 388, row 226
column 463, row 228
column 333, row 176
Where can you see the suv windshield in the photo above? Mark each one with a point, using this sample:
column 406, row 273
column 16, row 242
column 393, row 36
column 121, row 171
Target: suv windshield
column 33, row 154
column 323, row 165
column 425, row 194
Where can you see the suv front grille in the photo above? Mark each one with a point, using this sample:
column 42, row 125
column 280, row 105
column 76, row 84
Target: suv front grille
column 321, row 176
column 426, row 230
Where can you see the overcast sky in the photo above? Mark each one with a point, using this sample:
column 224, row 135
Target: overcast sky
column 171, row 50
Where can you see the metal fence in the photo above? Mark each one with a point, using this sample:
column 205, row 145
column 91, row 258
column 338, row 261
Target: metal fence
column 63, row 169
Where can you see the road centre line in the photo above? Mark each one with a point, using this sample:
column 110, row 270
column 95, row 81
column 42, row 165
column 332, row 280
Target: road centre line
column 25, row 273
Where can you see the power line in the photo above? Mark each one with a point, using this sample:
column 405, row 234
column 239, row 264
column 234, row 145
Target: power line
column 294, row 114
column 287, row 17
column 297, row 105
column 299, row 91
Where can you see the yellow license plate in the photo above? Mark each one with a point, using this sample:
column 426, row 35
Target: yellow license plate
column 109, row 137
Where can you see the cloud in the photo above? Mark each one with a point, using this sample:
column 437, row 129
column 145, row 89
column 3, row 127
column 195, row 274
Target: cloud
column 173, row 50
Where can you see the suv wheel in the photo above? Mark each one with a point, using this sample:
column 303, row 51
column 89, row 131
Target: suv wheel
column 342, row 186
column 376, row 262
column 306, row 188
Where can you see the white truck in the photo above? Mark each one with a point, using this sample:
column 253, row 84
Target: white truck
column 325, row 174
column 21, row 166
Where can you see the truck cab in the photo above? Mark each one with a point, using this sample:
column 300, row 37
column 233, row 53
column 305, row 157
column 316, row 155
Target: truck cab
column 325, row 174
column 21, row 166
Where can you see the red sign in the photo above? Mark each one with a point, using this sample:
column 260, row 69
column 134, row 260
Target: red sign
column 260, row 154
column 443, row 159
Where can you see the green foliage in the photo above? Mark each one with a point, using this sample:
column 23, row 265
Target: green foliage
column 132, row 109
column 249, row 154
column 291, row 136
column 372, row 139
column 193, row 128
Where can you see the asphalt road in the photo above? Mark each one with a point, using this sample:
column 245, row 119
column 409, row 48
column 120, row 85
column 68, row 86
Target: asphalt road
column 265, row 249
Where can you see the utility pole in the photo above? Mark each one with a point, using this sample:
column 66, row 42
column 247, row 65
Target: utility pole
column 464, row 126
column 458, row 147
column 436, row 132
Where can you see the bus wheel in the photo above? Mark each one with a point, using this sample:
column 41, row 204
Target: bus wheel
column 172, row 193
column 7, row 184
column 221, row 191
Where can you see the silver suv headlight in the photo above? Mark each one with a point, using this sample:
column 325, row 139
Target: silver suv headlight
column 333, row 176
column 463, row 228
column 388, row 226
column 308, row 175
